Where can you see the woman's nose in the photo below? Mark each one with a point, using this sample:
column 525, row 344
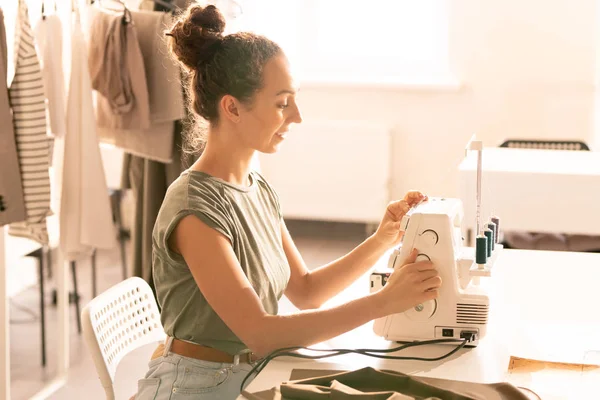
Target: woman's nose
column 296, row 116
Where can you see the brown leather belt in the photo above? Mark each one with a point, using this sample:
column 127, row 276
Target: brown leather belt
column 199, row 352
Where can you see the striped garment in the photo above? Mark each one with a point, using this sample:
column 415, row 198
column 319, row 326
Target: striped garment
column 27, row 100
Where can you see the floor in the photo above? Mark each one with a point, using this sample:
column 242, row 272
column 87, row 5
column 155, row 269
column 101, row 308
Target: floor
column 318, row 242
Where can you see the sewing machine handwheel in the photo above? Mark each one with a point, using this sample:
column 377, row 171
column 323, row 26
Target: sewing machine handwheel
column 423, row 311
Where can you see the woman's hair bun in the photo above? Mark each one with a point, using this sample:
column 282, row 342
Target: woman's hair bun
column 196, row 35
column 209, row 18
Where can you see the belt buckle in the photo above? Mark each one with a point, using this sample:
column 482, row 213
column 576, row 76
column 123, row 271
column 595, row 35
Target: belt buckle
column 247, row 356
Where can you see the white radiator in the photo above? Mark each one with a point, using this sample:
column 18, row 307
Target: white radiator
column 332, row 170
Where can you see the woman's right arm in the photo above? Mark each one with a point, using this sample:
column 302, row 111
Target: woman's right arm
column 221, row 280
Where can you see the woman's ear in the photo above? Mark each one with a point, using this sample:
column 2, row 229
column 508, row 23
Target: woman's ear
column 230, row 108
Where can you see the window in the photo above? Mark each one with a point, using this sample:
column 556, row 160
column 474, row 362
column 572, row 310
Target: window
column 336, row 40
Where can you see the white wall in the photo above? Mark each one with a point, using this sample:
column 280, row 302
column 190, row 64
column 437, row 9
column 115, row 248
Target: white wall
column 527, row 70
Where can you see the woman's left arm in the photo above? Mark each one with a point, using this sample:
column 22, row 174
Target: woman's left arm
column 310, row 289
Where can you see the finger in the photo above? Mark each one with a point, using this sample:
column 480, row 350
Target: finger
column 411, row 258
column 414, row 197
column 432, row 283
column 428, row 274
column 398, row 209
column 431, row 294
column 424, row 266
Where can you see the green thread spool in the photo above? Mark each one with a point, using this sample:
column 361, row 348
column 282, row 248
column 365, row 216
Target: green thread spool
column 490, row 236
column 481, row 247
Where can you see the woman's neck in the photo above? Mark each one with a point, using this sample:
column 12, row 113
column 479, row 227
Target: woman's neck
column 222, row 160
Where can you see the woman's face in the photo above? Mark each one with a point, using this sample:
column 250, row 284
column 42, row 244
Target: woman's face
column 264, row 123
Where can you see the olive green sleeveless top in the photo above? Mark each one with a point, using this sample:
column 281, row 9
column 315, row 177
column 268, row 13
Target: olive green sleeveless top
column 250, row 217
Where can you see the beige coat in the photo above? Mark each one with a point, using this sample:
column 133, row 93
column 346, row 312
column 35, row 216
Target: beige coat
column 12, row 206
column 117, row 72
column 164, row 89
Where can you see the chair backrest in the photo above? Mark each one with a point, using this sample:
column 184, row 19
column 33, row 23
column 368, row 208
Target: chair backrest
column 118, row 321
column 546, row 144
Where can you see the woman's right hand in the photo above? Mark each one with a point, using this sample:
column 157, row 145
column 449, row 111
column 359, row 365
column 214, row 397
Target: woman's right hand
column 410, row 284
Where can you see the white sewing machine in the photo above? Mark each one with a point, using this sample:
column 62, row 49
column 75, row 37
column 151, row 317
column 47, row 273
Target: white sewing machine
column 434, row 228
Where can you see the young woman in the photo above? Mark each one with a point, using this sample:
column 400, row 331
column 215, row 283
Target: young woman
column 222, row 254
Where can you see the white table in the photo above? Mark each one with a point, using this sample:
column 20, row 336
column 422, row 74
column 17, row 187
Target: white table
column 532, row 292
column 535, row 190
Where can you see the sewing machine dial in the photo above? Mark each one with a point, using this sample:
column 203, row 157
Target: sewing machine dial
column 422, row 257
column 429, row 237
column 422, row 312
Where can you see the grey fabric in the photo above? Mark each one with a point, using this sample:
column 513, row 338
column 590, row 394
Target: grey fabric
column 12, row 205
column 372, row 384
column 551, row 241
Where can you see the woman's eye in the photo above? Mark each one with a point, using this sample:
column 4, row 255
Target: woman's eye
column 282, row 105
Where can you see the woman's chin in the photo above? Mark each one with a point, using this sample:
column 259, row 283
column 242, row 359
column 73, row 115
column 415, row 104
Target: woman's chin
column 272, row 149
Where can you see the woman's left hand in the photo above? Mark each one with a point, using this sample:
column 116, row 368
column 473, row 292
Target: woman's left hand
column 388, row 233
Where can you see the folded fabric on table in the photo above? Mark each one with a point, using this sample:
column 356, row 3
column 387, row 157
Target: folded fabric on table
column 372, row 384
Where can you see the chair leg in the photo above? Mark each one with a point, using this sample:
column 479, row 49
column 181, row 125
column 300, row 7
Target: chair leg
column 94, row 289
column 49, row 269
column 76, row 294
column 116, row 198
column 122, row 238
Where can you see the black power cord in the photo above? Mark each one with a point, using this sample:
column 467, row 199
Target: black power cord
column 377, row 353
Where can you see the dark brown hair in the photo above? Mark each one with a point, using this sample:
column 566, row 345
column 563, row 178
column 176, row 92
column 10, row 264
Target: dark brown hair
column 218, row 65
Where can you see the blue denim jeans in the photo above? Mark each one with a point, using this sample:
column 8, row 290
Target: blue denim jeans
column 174, row 377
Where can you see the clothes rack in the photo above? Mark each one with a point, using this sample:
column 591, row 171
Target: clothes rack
column 63, row 327
column 4, row 320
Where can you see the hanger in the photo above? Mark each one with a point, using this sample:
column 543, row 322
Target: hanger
column 127, row 18
column 43, row 8
column 126, row 13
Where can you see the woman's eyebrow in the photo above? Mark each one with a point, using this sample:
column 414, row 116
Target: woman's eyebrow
column 288, row 91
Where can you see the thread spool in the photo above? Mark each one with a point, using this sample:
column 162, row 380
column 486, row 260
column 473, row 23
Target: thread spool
column 492, row 227
column 490, row 236
column 481, row 247
column 496, row 221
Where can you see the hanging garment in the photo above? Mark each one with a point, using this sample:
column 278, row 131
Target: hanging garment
column 48, row 35
column 27, row 99
column 117, row 72
column 12, row 205
column 165, row 94
column 372, row 384
column 85, row 215
column 149, row 181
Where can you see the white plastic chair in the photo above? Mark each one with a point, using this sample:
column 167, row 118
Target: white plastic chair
column 118, row 321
